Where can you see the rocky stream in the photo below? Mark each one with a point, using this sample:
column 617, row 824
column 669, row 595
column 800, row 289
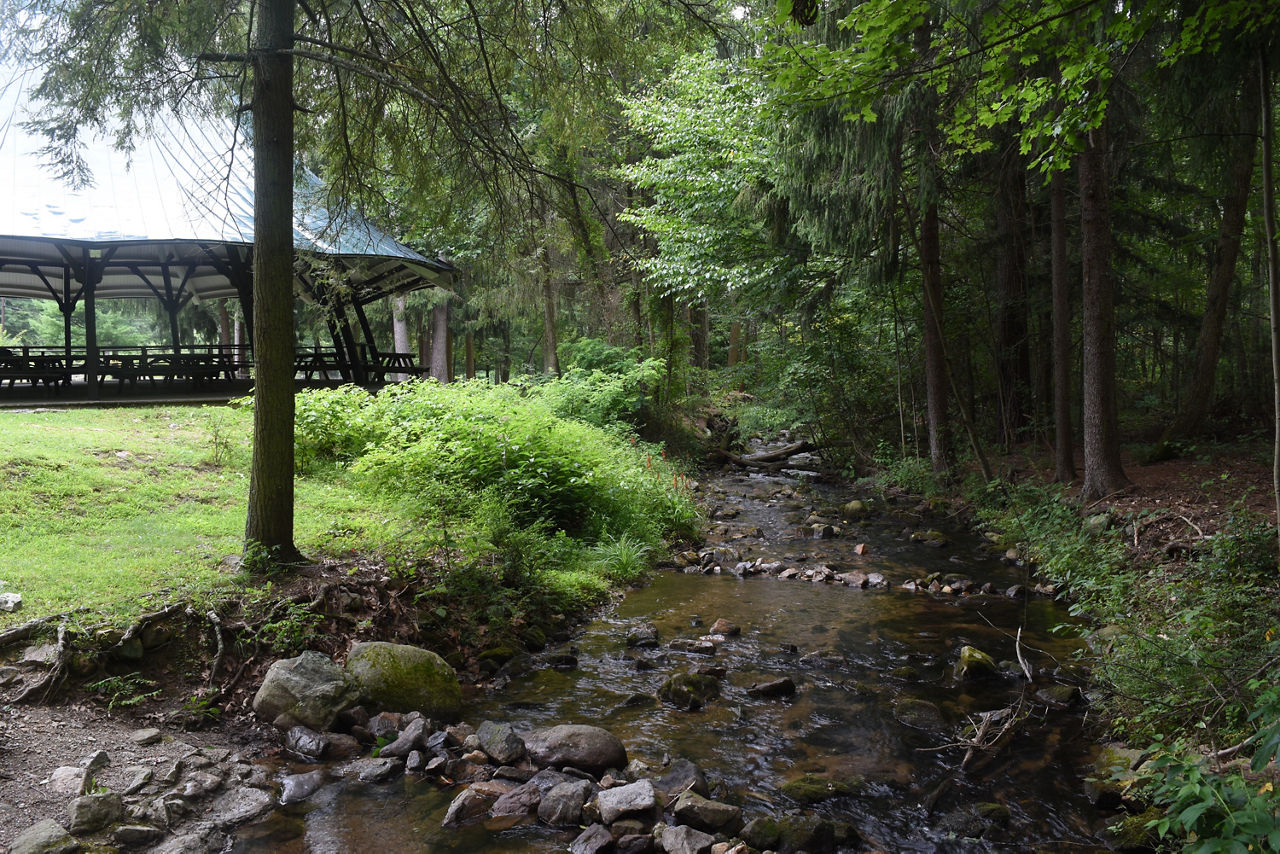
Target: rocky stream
column 828, row 673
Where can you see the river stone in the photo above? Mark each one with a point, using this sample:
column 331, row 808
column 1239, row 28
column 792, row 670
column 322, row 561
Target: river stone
column 643, row 636
column 136, row 835
column 371, row 770
column 700, row 646
column 712, row 816
column 634, row 843
column 299, row 787
column 596, row 839
column 465, row 806
column 632, row 798
column 683, row 840
column 726, row 628
column 920, row 714
column 306, row 743
column 409, row 739
column 856, row 509
column 682, row 776
column 44, row 837
column 68, row 780
column 582, row 746
column 783, row 687
column 405, row 678
column 975, row 664
column 762, row 833
column 562, row 806
column 309, row 690
column 91, row 813
column 689, row 691
column 500, row 742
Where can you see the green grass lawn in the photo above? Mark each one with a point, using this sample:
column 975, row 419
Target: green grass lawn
column 116, row 510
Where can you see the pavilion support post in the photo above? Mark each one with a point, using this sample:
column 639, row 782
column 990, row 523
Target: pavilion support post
column 91, row 275
column 365, row 328
column 355, row 363
column 68, row 306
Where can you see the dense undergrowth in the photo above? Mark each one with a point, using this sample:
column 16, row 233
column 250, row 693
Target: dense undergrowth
column 1185, row 647
column 523, row 500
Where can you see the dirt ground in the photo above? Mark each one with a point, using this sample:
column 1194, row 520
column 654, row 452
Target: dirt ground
column 1179, row 501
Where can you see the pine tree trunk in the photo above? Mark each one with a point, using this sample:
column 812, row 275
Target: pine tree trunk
column 550, row 343
column 1273, row 264
column 1198, row 396
column 935, row 365
column 1064, row 464
column 440, row 340
column 269, row 524
column 399, row 329
column 1103, row 474
column 1013, row 361
column 469, row 354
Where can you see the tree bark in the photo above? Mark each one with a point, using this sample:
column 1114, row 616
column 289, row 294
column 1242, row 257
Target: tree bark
column 1013, row 361
column 1273, row 263
column 1103, row 474
column 399, row 329
column 550, row 342
column 469, row 354
column 1198, row 396
column 1064, row 463
column 935, row 364
column 269, row 524
column 440, row 339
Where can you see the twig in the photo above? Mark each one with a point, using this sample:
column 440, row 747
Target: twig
column 1194, row 525
column 1022, row 662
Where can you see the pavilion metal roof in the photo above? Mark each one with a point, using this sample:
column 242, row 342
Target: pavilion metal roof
column 176, row 211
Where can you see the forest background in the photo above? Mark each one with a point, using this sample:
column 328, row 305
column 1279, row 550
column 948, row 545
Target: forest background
column 920, row 232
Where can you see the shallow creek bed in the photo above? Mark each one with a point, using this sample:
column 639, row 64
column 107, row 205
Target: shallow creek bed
column 821, row 676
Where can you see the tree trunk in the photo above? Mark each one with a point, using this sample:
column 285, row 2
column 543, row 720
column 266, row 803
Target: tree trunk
column 269, row 525
column 935, row 365
column 469, row 354
column 550, row 343
column 399, row 330
column 224, row 325
column 1103, row 474
column 440, row 339
column 1064, row 464
column 1273, row 264
column 1013, row 363
column 1198, row 396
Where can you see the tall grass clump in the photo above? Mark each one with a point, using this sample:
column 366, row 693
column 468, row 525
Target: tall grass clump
column 514, row 493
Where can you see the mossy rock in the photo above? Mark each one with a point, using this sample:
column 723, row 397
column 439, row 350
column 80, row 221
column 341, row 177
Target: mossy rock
column 689, row 691
column 857, row 509
column 906, row 672
column 917, row 713
column 812, row 788
column 401, row 678
column 762, row 833
column 1132, row 833
column 975, row 664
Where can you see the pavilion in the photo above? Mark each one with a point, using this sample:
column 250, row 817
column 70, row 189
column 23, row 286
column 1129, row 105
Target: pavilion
column 172, row 220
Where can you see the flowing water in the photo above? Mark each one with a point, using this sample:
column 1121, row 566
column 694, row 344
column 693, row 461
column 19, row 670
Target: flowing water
column 855, row 654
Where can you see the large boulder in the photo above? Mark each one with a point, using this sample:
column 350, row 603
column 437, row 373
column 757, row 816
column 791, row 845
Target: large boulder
column 405, row 679
column 45, row 837
column 308, row 691
column 588, row 748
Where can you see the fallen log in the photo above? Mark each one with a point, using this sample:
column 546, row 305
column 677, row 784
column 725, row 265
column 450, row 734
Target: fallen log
column 774, row 460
